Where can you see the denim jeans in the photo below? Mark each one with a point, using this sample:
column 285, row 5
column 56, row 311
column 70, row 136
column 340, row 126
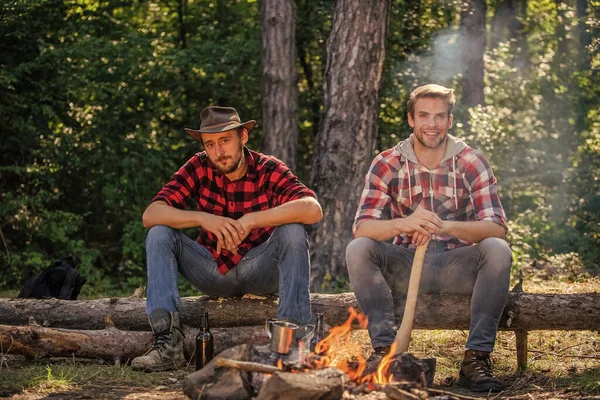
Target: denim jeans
column 279, row 265
column 379, row 274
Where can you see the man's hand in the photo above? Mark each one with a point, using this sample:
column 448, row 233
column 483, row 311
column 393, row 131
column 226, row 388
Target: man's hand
column 421, row 221
column 420, row 239
column 229, row 232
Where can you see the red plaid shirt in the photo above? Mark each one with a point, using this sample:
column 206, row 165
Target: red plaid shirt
column 268, row 183
column 461, row 188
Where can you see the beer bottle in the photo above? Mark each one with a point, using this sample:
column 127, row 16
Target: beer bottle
column 319, row 332
column 204, row 343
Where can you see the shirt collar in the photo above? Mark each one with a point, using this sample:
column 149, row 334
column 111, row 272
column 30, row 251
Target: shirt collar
column 250, row 160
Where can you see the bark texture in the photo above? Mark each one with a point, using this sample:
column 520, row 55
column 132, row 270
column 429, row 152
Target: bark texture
column 473, row 46
column 326, row 384
column 505, row 22
column 279, row 80
column 111, row 343
column 345, row 142
column 524, row 311
column 129, row 313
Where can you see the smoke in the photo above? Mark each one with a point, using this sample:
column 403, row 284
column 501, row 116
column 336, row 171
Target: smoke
column 441, row 63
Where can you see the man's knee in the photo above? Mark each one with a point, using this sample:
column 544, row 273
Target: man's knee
column 292, row 233
column 358, row 250
column 496, row 251
column 160, row 235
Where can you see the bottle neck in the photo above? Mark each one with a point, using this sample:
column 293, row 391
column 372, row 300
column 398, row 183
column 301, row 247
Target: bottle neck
column 204, row 323
column 319, row 325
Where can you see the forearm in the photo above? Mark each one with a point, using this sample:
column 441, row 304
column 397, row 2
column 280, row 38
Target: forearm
column 378, row 229
column 160, row 213
column 302, row 211
column 473, row 231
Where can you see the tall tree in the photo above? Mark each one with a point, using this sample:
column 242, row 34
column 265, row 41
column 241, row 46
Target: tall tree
column 472, row 25
column 507, row 24
column 346, row 139
column 279, row 80
column 585, row 38
column 562, row 31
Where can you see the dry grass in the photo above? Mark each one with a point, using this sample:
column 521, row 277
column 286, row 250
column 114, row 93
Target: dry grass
column 561, row 364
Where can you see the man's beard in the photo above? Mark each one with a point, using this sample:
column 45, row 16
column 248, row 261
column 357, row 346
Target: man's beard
column 230, row 168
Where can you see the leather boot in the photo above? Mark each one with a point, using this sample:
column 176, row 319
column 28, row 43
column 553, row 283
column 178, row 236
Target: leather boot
column 476, row 372
column 167, row 351
column 375, row 358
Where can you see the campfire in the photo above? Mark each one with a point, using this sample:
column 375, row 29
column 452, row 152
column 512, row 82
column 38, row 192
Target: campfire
column 336, row 365
column 339, row 351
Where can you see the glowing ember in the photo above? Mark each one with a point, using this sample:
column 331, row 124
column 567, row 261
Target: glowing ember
column 340, row 351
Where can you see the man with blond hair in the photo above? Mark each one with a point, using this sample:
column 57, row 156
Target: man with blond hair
column 443, row 193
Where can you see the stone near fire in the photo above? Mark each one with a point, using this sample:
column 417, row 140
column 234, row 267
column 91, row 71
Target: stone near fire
column 325, row 384
column 214, row 382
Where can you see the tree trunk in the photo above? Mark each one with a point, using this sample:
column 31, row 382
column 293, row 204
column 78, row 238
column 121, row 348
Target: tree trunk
column 521, row 60
column 562, row 37
column 279, row 80
column 529, row 311
column 346, row 140
column 585, row 38
column 181, row 8
column 498, row 23
column 472, row 26
column 111, row 344
column 585, row 41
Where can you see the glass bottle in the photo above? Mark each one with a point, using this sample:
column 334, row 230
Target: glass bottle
column 319, row 332
column 204, row 343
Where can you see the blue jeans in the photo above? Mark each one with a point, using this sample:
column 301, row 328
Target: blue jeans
column 379, row 274
column 281, row 264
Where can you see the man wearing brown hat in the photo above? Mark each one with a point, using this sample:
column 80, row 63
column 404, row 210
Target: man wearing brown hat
column 251, row 210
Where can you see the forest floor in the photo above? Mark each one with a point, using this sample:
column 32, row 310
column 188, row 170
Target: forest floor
column 561, row 365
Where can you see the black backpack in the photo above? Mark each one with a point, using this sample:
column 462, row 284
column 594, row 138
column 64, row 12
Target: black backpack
column 60, row 280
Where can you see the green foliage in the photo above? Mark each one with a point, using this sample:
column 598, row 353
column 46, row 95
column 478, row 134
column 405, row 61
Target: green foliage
column 95, row 96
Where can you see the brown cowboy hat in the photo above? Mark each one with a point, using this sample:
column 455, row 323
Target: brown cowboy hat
column 215, row 119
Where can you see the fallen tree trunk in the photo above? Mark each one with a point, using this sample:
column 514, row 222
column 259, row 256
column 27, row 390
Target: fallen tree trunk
column 111, row 343
column 524, row 311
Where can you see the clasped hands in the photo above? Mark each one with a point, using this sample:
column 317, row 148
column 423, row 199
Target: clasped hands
column 230, row 232
column 421, row 224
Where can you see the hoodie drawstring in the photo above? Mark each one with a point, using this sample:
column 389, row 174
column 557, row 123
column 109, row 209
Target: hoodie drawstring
column 454, row 175
column 408, row 175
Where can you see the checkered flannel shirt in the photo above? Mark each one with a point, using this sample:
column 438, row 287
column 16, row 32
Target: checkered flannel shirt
column 468, row 193
column 268, row 183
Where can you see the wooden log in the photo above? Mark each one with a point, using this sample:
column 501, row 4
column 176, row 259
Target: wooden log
column 524, row 311
column 521, row 343
column 110, row 344
column 247, row 366
column 214, row 382
column 322, row 384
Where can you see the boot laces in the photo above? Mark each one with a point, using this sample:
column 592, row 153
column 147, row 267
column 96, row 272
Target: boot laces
column 484, row 366
column 162, row 338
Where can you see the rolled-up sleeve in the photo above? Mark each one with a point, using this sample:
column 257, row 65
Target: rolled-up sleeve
column 375, row 195
column 484, row 193
column 182, row 185
column 285, row 186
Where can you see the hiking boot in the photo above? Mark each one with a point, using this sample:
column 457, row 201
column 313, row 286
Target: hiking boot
column 167, row 351
column 476, row 372
column 375, row 358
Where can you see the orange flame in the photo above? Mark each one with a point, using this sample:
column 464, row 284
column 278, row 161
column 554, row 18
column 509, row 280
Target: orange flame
column 339, row 351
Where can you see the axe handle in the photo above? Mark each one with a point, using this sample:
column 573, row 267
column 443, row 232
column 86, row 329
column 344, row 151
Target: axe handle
column 404, row 333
